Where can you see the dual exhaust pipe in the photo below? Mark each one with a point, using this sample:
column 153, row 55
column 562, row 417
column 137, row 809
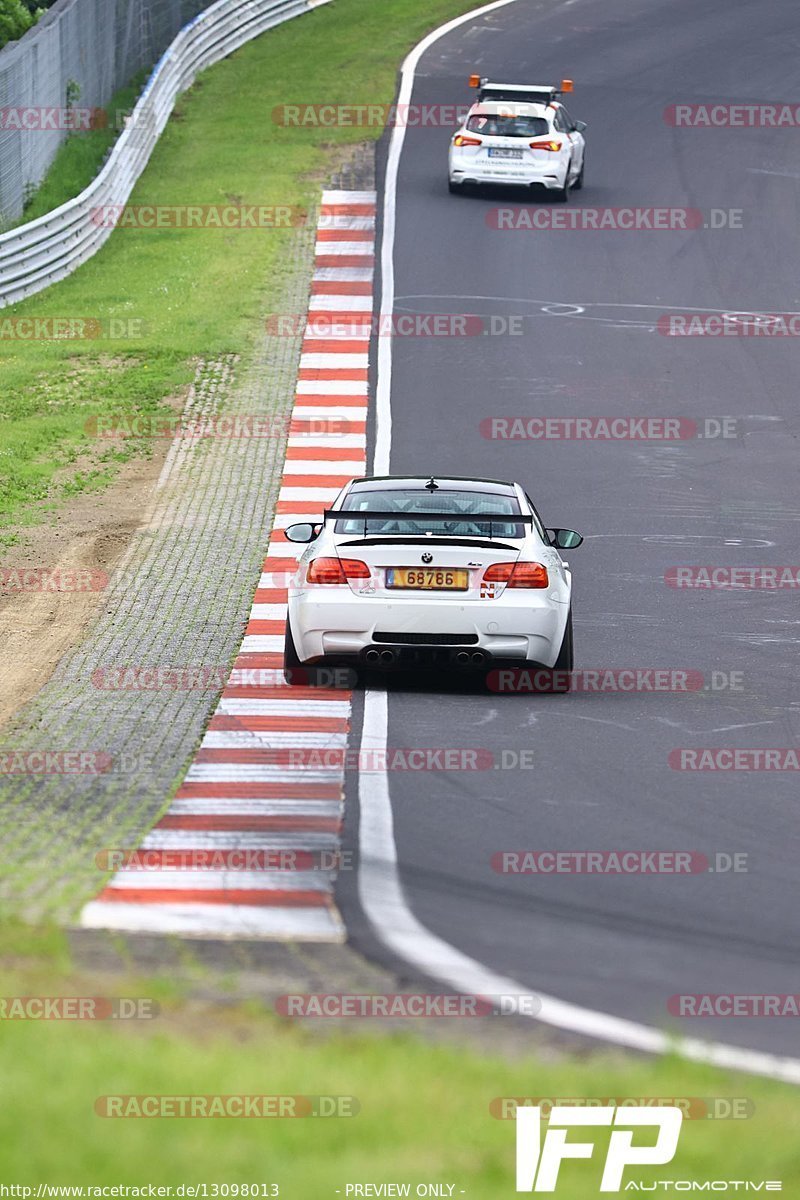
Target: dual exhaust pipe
column 384, row 657
column 475, row 658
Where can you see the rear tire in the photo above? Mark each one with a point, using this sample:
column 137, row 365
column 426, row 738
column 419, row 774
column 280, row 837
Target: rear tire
column 566, row 655
column 559, row 677
column 291, row 659
column 455, row 189
column 562, row 194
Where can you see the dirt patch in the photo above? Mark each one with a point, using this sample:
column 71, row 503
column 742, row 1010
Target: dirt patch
column 76, row 548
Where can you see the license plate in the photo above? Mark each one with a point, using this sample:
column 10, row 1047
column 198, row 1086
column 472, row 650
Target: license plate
column 428, row 578
column 496, row 152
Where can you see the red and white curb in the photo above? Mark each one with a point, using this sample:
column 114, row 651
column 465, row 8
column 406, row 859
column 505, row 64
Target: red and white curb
column 241, row 801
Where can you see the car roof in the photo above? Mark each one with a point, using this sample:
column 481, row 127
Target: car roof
column 508, row 108
column 445, row 483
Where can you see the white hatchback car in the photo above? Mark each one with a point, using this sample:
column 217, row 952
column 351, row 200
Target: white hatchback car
column 518, row 135
column 417, row 571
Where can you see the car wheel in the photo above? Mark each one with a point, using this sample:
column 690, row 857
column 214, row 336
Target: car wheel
column 558, row 679
column 291, row 659
column 562, row 194
column 566, row 657
column 455, row 188
column 578, row 184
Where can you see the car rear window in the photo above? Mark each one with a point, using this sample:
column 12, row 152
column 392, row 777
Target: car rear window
column 465, row 506
column 508, row 126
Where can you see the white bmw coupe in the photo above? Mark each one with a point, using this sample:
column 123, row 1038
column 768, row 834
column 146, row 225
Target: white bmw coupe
column 448, row 572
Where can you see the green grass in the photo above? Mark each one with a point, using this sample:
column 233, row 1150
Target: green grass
column 193, row 292
column 424, row 1108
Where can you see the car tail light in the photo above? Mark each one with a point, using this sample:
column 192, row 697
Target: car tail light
column 551, row 145
column 336, row 570
column 518, row 574
column 462, row 140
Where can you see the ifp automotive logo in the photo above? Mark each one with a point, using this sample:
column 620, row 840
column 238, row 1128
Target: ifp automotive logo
column 538, row 1161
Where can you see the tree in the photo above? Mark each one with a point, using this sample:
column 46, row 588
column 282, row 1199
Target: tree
column 15, row 19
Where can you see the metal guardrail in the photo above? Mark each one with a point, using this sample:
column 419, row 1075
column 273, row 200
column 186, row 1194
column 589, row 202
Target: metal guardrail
column 45, row 250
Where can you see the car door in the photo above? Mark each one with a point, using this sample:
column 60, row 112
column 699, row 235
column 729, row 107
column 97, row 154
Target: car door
column 575, row 136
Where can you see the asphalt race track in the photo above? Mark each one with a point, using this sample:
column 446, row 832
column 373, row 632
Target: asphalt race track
column 589, row 302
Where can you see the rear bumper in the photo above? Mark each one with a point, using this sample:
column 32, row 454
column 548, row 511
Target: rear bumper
column 522, row 627
column 548, row 175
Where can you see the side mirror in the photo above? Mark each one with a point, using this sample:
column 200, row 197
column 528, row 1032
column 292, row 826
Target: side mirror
column 564, row 539
column 579, row 126
column 302, row 532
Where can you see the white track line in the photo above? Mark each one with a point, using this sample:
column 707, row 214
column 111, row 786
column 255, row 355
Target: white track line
column 216, row 920
column 200, row 879
column 284, row 708
column 231, row 739
column 344, row 274
column 380, row 891
column 235, row 839
column 331, row 387
column 248, row 808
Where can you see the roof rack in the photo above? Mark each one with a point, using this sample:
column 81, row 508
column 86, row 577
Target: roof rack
column 530, row 93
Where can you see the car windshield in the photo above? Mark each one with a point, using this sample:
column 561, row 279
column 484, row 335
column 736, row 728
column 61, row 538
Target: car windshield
column 474, row 514
column 499, row 125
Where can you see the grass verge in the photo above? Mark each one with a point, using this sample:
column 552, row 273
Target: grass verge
column 165, row 297
column 424, row 1106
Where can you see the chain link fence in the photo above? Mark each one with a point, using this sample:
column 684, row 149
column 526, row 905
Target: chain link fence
column 71, row 62
column 36, row 254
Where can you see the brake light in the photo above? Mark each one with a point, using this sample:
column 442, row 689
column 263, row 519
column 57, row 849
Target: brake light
column 518, row 575
column 336, row 570
column 461, row 140
column 553, row 146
